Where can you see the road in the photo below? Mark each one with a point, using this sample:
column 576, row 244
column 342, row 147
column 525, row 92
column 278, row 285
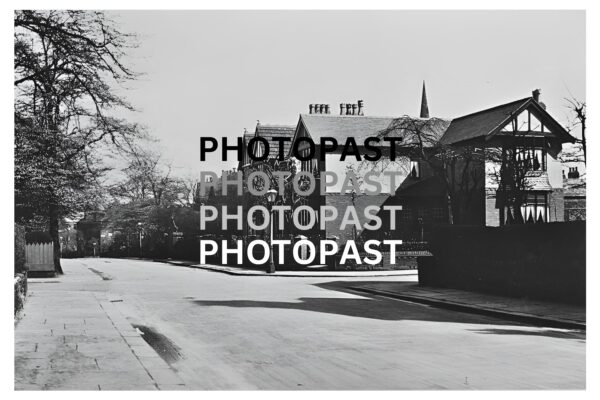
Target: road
column 242, row 332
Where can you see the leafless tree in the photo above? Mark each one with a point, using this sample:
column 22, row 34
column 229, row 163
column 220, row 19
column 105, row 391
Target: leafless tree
column 453, row 166
column 149, row 177
column 577, row 109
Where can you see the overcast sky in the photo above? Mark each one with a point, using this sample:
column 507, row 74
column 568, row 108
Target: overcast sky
column 214, row 73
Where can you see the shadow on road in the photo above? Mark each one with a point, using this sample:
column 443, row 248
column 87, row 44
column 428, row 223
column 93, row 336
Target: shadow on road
column 364, row 306
column 368, row 306
column 560, row 334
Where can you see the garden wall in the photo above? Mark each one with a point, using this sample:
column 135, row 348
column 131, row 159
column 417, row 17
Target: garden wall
column 538, row 261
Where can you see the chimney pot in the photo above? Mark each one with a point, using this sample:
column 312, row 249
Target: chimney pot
column 348, row 109
column 310, row 108
column 321, row 108
column 342, row 108
column 536, row 95
column 326, row 108
column 360, row 107
column 353, row 109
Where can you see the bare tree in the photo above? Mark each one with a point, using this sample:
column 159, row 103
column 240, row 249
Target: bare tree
column 149, row 177
column 453, row 166
column 578, row 111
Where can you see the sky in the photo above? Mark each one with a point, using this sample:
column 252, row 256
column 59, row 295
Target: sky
column 216, row 73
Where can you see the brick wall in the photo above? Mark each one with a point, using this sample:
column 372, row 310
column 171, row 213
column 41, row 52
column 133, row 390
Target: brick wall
column 575, row 208
column 556, row 205
column 538, row 261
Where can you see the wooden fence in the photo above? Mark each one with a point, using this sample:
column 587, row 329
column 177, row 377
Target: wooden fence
column 39, row 257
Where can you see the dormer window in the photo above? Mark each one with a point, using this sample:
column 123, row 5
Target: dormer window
column 415, row 170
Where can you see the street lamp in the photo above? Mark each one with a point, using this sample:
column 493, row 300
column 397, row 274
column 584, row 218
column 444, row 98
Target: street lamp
column 140, row 228
column 271, row 195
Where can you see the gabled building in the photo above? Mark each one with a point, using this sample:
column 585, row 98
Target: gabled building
column 247, row 165
column 350, row 123
column 538, row 137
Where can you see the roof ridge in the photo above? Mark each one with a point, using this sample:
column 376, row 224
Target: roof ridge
column 275, row 126
column 376, row 116
column 492, row 108
column 345, row 116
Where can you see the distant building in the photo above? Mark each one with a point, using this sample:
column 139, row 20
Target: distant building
column 574, row 195
column 89, row 233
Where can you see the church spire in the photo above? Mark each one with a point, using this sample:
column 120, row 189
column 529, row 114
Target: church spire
column 424, row 107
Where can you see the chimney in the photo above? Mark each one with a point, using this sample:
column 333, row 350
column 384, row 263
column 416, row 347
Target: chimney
column 326, row 108
column 573, row 173
column 353, row 109
column 536, row 95
column 321, row 108
column 360, row 107
column 310, row 108
column 348, row 109
column 342, row 108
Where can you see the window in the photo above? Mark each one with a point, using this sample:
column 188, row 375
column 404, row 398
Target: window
column 526, row 122
column 535, row 208
column 523, row 122
column 534, row 124
column 415, row 170
column 533, row 157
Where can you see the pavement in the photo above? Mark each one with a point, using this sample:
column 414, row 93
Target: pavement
column 314, row 273
column 71, row 336
column 542, row 313
column 206, row 330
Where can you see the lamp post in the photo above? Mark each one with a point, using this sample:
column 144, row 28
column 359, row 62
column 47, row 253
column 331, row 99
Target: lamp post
column 140, row 228
column 271, row 195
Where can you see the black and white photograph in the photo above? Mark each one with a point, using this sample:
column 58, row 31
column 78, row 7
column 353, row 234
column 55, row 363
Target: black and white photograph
column 299, row 199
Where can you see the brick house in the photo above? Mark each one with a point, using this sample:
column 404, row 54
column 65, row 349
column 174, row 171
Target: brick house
column 247, row 165
column 351, row 122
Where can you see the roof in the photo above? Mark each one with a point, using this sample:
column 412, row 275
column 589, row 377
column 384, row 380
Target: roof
column 489, row 121
column 341, row 127
column 245, row 138
column 270, row 131
column 481, row 123
column 410, row 129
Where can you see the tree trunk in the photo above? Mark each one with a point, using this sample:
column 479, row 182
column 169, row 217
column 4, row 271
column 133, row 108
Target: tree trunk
column 53, row 228
column 583, row 142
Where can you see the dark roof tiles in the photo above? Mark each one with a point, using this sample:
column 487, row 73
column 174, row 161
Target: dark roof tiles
column 480, row 123
column 270, row 131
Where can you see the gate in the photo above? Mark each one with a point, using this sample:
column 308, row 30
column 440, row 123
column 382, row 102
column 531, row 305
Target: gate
column 39, row 257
